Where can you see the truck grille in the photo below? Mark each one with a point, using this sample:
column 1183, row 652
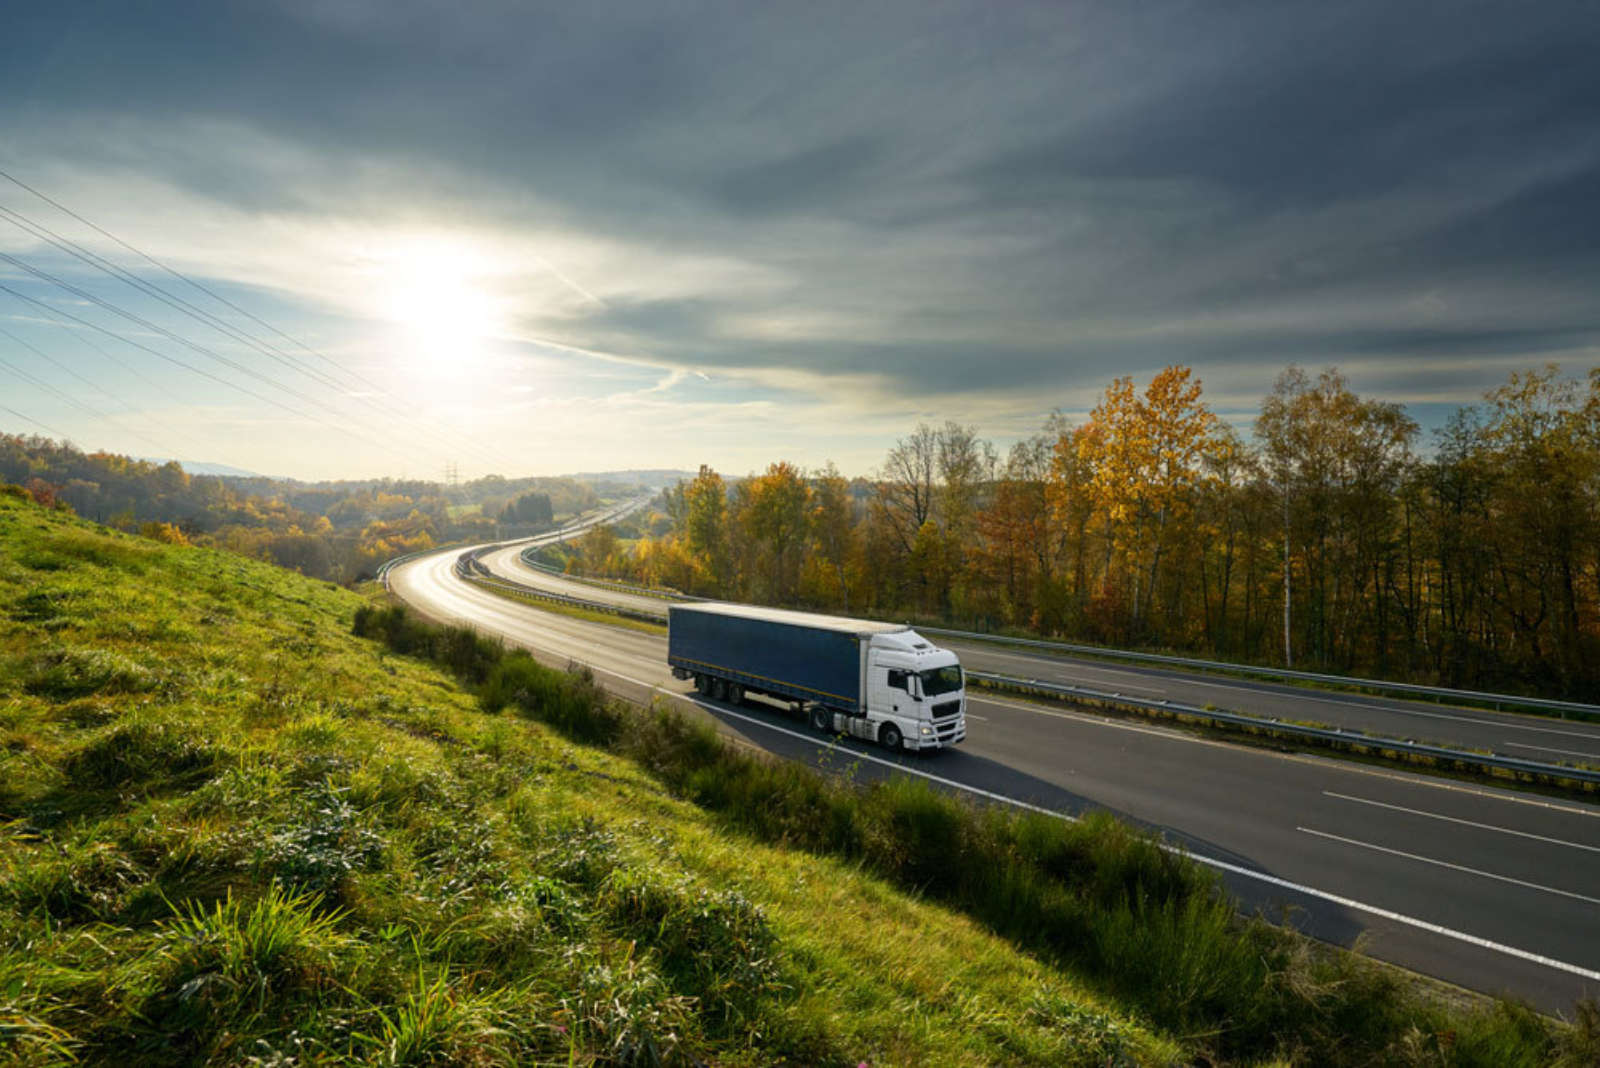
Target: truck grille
column 948, row 708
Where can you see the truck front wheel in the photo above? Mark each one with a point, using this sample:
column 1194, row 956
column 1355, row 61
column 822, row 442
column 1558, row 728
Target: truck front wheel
column 891, row 737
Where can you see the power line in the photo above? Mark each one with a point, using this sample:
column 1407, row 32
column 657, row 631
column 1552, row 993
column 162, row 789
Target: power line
column 184, row 278
column 110, row 268
column 40, row 383
column 35, row 422
column 472, row 445
column 155, row 352
column 126, row 407
column 203, row 350
column 72, row 248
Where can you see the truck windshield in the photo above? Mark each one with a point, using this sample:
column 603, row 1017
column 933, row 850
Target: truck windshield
column 941, row 680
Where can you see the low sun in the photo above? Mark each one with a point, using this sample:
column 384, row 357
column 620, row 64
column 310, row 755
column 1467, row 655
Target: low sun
column 433, row 291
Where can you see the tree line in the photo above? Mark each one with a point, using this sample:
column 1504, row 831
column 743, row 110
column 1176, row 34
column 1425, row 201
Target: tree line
column 1332, row 537
column 339, row 531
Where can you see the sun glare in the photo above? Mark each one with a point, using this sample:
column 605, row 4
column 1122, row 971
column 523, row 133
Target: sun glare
column 434, row 291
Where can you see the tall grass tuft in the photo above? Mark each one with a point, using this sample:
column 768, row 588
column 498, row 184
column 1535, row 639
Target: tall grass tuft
column 439, row 1023
column 240, row 959
column 148, row 754
column 64, row 674
column 571, row 702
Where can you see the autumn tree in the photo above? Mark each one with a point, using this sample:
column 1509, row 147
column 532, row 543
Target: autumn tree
column 772, row 515
column 824, row 579
column 906, row 486
column 706, row 527
column 1338, row 461
column 1144, row 455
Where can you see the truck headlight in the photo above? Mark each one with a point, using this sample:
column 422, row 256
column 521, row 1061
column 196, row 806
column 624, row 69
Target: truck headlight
column 927, row 730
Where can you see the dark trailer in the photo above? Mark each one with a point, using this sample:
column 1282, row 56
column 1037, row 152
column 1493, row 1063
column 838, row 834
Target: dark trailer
column 797, row 656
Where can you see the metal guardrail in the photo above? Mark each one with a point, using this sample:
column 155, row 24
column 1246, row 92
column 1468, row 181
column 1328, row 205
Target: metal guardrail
column 472, row 570
column 1347, row 681
column 1323, row 734
column 1496, row 700
column 605, row 584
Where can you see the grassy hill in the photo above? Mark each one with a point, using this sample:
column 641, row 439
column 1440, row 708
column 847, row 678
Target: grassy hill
column 232, row 831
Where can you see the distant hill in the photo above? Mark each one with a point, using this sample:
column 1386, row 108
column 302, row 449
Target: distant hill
column 655, row 478
column 199, row 467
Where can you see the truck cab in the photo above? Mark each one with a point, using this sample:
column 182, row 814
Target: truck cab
column 916, row 686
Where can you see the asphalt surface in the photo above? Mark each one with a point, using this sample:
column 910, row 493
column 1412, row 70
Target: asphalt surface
column 1488, row 889
column 1526, row 737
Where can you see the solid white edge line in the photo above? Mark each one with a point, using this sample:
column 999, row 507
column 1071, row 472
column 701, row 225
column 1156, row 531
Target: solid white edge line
column 1211, row 862
column 1463, row 822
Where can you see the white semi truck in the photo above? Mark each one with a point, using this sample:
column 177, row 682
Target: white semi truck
column 881, row 682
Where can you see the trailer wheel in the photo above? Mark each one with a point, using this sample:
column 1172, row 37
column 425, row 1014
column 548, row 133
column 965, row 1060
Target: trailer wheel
column 891, row 737
column 821, row 719
column 735, row 694
column 719, row 689
column 702, row 684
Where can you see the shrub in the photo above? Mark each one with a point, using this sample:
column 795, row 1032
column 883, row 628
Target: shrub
column 461, row 649
column 569, row 701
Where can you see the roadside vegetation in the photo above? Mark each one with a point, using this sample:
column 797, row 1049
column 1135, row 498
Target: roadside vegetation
column 231, row 831
column 1144, row 926
column 1463, row 558
column 238, row 832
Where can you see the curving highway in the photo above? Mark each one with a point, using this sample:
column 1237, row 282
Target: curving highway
column 1488, row 889
column 1508, row 733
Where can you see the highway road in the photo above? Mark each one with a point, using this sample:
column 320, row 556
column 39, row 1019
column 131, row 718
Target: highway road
column 1488, row 889
column 1508, row 733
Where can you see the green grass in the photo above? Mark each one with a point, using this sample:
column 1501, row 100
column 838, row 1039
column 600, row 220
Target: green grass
column 1151, row 930
column 232, row 831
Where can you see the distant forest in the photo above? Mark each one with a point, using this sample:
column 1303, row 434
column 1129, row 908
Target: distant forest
column 339, row 531
column 1330, row 538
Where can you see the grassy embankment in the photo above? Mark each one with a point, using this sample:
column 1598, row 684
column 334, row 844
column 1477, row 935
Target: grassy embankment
column 234, row 831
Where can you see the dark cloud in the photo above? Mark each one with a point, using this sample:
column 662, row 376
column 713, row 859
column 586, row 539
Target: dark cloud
column 993, row 196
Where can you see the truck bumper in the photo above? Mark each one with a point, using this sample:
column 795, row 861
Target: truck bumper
column 943, row 737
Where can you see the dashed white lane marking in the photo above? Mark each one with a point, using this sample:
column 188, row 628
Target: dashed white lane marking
column 1551, row 749
column 1212, row 862
column 1508, row 722
column 1453, row 867
column 1462, row 822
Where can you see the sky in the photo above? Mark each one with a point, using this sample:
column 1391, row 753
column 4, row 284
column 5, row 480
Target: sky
column 534, row 238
